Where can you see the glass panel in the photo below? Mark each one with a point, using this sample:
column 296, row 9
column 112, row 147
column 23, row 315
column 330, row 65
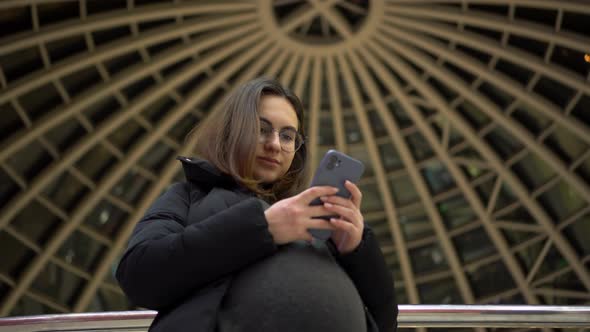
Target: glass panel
column 419, row 146
column 101, row 110
column 361, row 153
column 66, row 134
column 473, row 115
column 36, row 222
column 111, row 34
column 455, row 211
column 554, row 91
column 577, row 234
column 131, row 187
column 381, row 231
column 65, row 47
column 181, row 129
column 389, row 157
column 352, row 130
column 81, row 80
column 40, row 101
column 108, row 300
column 428, row 258
column 127, row 135
column 106, row 218
column 8, row 188
column 531, row 119
column 155, row 111
column 499, row 97
column 570, row 58
column 440, row 292
column 326, row 132
column 65, row 192
column 27, row 306
column 400, row 116
column 96, row 162
column 402, row 189
column 569, row 282
column 58, row 284
column 11, row 121
column 566, row 145
column 490, row 279
column 371, row 198
column 81, row 251
column 377, row 124
column 20, row 63
column 31, row 160
column 157, row 156
column 514, row 71
column 532, row 46
column 122, row 62
column 504, row 198
column 473, row 245
column 533, row 171
column 504, row 143
column 437, row 177
column 562, row 201
column 415, row 223
column 13, row 264
column 4, row 288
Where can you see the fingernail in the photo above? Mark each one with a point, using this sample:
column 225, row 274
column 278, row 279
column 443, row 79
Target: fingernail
column 327, row 205
column 323, row 198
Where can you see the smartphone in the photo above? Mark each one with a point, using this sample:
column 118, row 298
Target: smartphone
column 335, row 168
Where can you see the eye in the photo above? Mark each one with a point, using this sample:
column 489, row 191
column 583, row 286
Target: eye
column 288, row 136
column 265, row 128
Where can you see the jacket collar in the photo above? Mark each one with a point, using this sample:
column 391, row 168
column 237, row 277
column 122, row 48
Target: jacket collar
column 203, row 173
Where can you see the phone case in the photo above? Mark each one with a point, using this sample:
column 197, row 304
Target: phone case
column 334, row 169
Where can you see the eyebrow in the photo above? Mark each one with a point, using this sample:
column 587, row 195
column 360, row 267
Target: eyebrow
column 270, row 123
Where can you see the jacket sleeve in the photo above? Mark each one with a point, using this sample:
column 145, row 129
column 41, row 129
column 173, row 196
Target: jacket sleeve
column 373, row 280
column 166, row 260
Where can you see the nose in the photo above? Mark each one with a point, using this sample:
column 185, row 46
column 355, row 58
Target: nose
column 273, row 142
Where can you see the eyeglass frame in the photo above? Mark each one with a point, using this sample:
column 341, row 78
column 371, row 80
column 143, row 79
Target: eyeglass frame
column 264, row 138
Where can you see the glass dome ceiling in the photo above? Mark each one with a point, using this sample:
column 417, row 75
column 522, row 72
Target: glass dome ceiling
column 472, row 117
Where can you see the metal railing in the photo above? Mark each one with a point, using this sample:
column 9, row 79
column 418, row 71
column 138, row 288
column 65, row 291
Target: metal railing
column 410, row 316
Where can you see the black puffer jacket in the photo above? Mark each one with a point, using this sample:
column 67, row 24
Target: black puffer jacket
column 184, row 251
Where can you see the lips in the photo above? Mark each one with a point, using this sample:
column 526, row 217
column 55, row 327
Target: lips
column 269, row 161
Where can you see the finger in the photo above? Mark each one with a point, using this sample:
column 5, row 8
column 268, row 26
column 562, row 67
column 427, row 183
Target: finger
column 319, row 224
column 317, row 211
column 337, row 200
column 345, row 213
column 314, row 192
column 357, row 195
column 307, row 237
column 343, row 225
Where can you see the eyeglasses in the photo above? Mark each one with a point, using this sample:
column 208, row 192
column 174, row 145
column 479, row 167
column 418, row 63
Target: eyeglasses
column 289, row 138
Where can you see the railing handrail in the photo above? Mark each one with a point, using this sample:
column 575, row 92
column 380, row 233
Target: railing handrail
column 409, row 316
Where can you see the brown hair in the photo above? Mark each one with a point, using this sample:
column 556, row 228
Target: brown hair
column 228, row 139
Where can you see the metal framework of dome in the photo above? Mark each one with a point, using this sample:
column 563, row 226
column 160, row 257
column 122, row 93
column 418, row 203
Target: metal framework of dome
column 472, row 117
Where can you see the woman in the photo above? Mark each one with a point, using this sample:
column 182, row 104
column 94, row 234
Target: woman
column 229, row 250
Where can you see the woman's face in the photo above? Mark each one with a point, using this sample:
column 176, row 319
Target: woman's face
column 272, row 162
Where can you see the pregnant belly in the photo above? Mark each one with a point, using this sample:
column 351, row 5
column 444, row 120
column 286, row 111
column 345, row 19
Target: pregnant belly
column 300, row 288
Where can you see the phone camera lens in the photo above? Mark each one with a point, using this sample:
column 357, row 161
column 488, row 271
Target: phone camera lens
column 333, row 162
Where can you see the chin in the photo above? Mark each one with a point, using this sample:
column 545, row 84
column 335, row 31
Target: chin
column 266, row 177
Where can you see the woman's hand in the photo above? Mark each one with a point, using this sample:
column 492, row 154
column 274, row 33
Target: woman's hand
column 290, row 218
column 349, row 227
